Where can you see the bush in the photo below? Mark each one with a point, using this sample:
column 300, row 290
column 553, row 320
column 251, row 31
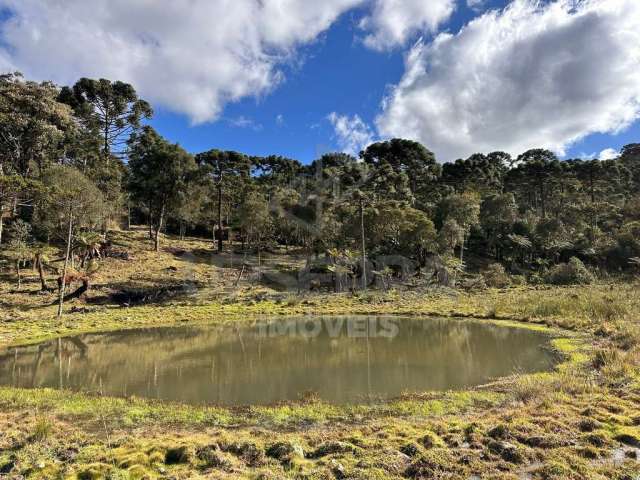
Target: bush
column 572, row 273
column 535, row 279
column 495, row 276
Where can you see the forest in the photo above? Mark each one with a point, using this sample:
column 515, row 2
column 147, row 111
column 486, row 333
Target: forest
column 80, row 161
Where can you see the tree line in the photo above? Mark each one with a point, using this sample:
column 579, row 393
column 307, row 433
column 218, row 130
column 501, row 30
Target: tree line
column 77, row 161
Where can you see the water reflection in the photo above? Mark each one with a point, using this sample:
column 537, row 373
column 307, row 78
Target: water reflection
column 342, row 359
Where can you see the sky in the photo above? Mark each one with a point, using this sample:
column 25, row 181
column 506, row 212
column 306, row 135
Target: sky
column 299, row 78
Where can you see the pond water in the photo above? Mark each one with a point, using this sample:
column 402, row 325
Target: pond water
column 339, row 359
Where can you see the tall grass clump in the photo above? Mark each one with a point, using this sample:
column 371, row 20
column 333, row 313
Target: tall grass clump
column 495, row 276
column 42, row 429
column 616, row 366
column 572, row 273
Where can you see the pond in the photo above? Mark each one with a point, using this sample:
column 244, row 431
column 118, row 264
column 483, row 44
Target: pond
column 338, row 359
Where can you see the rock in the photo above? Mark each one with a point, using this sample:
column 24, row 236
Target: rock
column 507, row 451
column 177, row 455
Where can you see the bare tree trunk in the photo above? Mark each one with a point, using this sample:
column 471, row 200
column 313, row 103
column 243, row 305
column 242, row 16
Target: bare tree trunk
column 259, row 263
column 43, row 281
column 220, row 217
column 66, row 264
column 107, row 150
column 150, row 223
column 159, row 227
column 364, row 253
column 128, row 215
column 18, row 273
column 156, row 240
column 542, row 201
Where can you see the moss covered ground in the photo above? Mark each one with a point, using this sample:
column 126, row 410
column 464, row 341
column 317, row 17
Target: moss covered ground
column 581, row 421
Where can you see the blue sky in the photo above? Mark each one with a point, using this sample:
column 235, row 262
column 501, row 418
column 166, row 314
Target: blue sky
column 275, row 94
column 338, row 74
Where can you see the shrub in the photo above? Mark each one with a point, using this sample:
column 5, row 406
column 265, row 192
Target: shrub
column 535, row 278
column 572, row 273
column 496, row 276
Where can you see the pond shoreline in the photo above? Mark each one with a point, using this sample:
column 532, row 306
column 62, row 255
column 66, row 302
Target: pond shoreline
column 269, row 327
column 160, row 426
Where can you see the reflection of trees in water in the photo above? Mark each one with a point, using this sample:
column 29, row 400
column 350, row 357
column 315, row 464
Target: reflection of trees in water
column 25, row 362
column 228, row 364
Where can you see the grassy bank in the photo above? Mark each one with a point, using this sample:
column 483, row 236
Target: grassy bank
column 580, row 421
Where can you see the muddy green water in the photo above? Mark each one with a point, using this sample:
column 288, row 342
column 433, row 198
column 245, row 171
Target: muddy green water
column 339, row 359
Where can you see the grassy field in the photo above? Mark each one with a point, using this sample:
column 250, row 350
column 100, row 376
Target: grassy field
column 581, row 421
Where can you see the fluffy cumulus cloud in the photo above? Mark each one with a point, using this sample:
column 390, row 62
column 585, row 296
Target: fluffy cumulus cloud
column 352, row 133
column 533, row 75
column 608, row 154
column 192, row 57
column 393, row 22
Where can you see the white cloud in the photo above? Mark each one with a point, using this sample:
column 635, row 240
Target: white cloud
column 192, row 57
column 534, row 75
column 352, row 133
column 393, row 22
column 279, row 120
column 244, row 122
column 608, row 154
column 476, row 4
